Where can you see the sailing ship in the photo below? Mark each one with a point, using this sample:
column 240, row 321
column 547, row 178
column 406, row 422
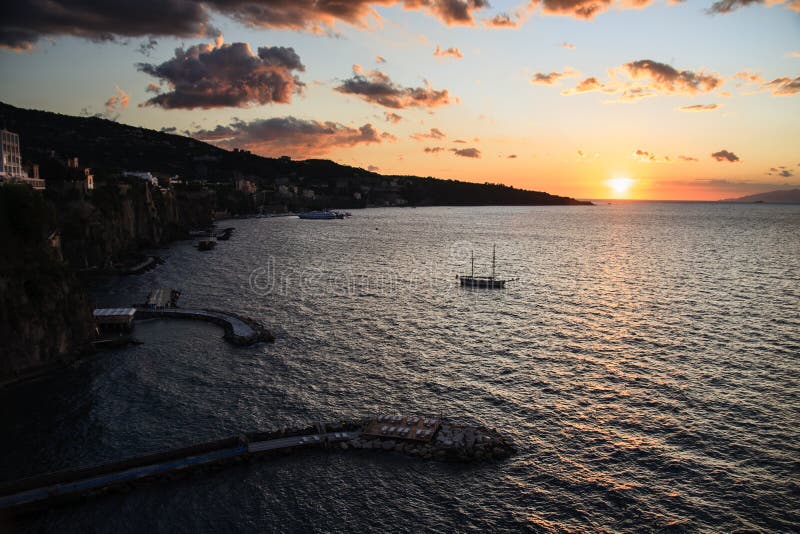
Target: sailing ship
column 483, row 282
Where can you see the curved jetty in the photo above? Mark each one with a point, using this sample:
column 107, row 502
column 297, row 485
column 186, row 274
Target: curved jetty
column 427, row 438
column 238, row 330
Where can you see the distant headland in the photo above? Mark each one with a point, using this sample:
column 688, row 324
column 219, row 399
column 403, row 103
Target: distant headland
column 244, row 182
column 783, row 196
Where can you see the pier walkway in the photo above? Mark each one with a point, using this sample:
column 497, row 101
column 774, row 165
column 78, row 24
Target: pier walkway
column 238, row 330
column 74, row 487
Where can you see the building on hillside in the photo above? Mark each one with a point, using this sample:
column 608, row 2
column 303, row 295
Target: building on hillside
column 11, row 162
column 145, row 176
column 89, row 178
column 246, row 186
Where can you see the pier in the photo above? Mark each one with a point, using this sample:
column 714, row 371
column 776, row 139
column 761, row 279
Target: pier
column 449, row 442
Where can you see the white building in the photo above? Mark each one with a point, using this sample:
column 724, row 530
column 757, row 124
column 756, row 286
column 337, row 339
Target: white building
column 11, row 161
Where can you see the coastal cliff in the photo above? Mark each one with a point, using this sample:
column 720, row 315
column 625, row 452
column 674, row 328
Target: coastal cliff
column 117, row 222
column 45, row 315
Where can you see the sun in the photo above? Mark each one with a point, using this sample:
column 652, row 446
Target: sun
column 620, row 186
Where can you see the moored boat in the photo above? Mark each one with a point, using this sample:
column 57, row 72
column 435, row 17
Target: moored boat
column 482, row 282
column 321, row 215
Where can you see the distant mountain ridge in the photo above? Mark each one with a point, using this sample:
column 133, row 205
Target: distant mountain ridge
column 782, row 196
column 110, row 145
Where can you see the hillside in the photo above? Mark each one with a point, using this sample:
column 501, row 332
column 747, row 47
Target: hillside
column 785, row 196
column 111, row 146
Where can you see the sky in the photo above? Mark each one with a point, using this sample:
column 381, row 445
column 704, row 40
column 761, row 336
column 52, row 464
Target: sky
column 639, row 99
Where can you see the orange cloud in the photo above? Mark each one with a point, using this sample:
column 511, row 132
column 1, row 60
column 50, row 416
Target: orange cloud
column 290, row 135
column 649, row 78
column 724, row 155
column 588, row 85
column 433, row 133
column 118, row 101
column 541, row 78
column 668, row 80
column 377, row 88
column 226, row 75
column 726, row 6
column 394, row 118
column 643, row 156
column 466, row 152
column 784, row 86
column 700, row 107
column 450, row 52
column 502, row 20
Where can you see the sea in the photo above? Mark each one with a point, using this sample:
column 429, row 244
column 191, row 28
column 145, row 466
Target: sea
column 645, row 360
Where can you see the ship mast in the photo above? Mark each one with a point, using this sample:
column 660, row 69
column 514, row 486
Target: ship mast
column 472, row 260
column 494, row 247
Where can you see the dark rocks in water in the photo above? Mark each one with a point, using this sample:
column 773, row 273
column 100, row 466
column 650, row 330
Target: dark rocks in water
column 452, row 442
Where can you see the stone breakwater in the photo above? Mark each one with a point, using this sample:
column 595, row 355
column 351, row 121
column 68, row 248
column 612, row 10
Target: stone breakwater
column 239, row 330
column 451, row 441
column 454, row 442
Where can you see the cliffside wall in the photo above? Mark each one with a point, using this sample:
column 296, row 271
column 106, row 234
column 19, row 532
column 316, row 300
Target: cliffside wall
column 45, row 313
column 118, row 220
column 45, row 316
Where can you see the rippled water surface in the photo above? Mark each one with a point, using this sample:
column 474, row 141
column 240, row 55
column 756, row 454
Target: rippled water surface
column 645, row 363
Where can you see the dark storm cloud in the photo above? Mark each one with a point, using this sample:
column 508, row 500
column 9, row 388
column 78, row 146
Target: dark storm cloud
column 230, row 75
column 23, row 23
column 724, row 155
column 289, row 135
column 376, row 87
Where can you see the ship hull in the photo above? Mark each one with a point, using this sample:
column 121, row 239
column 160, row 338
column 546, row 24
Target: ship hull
column 483, row 283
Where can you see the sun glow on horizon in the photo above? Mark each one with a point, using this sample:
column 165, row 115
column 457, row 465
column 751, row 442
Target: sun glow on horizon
column 620, row 185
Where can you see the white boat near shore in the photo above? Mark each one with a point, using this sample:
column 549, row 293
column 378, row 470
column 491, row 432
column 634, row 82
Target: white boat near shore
column 323, row 215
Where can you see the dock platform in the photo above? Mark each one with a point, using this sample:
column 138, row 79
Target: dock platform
column 114, row 318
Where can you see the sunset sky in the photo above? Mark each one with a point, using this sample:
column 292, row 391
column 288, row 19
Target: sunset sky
column 585, row 98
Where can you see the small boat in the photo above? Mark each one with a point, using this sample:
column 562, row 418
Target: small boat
column 482, row 282
column 321, row 215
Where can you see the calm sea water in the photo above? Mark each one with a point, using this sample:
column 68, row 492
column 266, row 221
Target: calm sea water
column 646, row 363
